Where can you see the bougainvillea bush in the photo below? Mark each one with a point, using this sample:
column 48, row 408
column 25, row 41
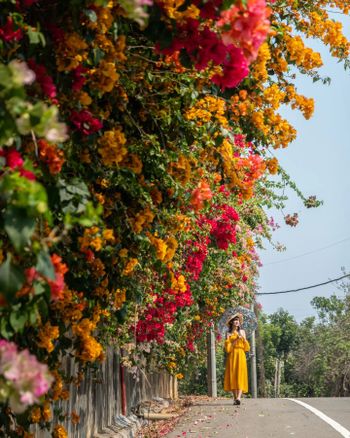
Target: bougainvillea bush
column 136, row 148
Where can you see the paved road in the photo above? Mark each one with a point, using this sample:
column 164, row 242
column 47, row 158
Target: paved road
column 266, row 418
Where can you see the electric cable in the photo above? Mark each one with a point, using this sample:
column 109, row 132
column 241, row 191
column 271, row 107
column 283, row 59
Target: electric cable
column 307, row 253
column 303, row 288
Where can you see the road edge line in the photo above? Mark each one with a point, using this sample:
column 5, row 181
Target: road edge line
column 338, row 427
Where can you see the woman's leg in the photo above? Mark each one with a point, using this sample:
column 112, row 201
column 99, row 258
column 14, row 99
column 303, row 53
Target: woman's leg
column 239, row 394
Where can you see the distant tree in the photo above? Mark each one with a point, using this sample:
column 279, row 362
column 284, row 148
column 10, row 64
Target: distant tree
column 322, row 358
column 285, row 332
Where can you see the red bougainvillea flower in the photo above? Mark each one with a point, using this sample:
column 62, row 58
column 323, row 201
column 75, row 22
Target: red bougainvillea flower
column 240, row 140
column 212, row 49
column 205, row 46
column 90, row 256
column 13, row 158
column 85, row 122
column 78, row 78
column 197, row 255
column 210, row 10
column 9, row 33
column 31, row 274
column 200, row 194
column 57, row 34
column 235, row 69
column 28, row 3
column 15, row 161
column 57, row 286
column 44, row 79
column 163, row 311
column 243, row 29
column 223, row 226
column 27, row 174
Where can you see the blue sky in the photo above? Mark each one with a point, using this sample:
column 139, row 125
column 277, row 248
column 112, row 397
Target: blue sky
column 318, row 161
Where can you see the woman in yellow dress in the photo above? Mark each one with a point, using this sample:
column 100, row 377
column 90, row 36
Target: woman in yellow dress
column 236, row 345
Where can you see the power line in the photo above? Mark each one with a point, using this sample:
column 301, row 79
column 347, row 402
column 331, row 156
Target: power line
column 307, row 253
column 303, row 288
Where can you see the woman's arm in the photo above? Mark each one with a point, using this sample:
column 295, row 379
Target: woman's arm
column 228, row 345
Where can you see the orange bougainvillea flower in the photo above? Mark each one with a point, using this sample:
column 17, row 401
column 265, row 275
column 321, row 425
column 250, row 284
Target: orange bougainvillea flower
column 200, row 194
column 51, row 155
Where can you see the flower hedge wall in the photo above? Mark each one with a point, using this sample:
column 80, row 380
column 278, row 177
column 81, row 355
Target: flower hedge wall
column 136, row 148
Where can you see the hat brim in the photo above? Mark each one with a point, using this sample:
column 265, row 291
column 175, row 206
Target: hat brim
column 239, row 315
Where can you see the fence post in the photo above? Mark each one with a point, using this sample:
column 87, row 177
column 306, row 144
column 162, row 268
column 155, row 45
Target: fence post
column 122, row 384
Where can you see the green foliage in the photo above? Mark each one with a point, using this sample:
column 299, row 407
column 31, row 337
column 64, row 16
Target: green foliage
column 18, row 116
column 315, row 353
column 195, row 381
column 11, row 278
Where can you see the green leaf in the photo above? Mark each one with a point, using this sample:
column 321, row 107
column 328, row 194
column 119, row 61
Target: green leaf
column 98, row 54
column 19, row 226
column 35, row 37
column 5, row 328
column 44, row 265
column 18, row 320
column 227, row 4
column 38, row 289
column 43, row 308
column 11, row 278
column 33, row 315
column 185, row 59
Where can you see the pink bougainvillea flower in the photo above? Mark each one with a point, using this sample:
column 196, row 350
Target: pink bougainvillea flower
column 22, row 378
column 248, row 26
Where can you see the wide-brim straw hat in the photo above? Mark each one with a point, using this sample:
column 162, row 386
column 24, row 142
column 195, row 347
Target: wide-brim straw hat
column 240, row 317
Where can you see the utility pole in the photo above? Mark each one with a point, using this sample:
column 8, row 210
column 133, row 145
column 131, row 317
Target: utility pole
column 253, row 363
column 211, row 363
column 253, row 366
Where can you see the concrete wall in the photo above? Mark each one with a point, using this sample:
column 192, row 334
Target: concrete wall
column 98, row 399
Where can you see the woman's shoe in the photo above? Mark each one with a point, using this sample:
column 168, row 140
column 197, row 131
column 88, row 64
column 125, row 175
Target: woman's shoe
column 237, row 402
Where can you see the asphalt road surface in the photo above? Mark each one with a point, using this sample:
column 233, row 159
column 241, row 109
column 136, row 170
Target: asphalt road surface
column 267, row 418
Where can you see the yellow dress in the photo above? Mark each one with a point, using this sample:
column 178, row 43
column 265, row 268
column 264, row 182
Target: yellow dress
column 236, row 374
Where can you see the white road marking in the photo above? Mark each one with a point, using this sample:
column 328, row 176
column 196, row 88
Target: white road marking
column 338, row 427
